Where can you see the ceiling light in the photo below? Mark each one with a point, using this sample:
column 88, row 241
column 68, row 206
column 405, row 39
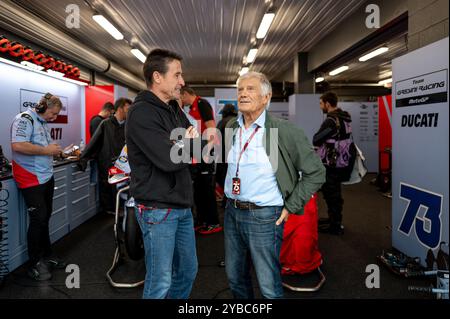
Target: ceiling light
column 105, row 24
column 373, row 54
column 244, row 70
column 251, row 55
column 265, row 25
column 384, row 82
column 32, row 65
column 339, row 70
column 138, row 54
column 320, row 79
column 385, row 74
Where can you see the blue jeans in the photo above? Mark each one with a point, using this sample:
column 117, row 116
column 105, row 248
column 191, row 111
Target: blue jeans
column 251, row 236
column 170, row 253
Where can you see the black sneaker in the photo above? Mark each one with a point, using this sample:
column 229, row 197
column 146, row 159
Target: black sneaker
column 55, row 262
column 39, row 271
column 332, row 229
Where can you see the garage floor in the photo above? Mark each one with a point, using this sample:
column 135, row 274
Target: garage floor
column 367, row 219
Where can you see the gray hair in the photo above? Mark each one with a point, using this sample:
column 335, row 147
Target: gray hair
column 266, row 87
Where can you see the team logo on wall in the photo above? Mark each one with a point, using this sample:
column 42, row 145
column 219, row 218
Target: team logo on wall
column 425, row 89
column 29, row 99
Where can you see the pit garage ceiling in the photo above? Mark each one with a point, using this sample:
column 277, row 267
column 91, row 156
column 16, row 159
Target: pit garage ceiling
column 374, row 70
column 213, row 36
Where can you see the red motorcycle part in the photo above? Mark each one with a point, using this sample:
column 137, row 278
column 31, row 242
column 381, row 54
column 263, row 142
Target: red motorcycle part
column 16, row 49
column 28, row 54
column 49, row 64
column 39, row 58
column 5, row 45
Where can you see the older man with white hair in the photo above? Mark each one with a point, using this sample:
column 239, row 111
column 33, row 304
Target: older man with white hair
column 272, row 172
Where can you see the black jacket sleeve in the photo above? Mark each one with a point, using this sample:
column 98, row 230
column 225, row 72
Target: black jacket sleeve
column 93, row 147
column 94, row 123
column 326, row 131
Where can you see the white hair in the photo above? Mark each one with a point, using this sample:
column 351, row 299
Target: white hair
column 266, row 87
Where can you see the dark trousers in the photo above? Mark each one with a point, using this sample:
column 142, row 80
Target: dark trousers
column 39, row 201
column 205, row 198
column 333, row 196
column 107, row 194
column 221, row 174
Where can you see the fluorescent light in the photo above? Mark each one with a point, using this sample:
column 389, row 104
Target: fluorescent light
column 138, row 54
column 339, row 70
column 320, row 79
column 244, row 70
column 383, row 82
column 31, row 65
column 373, row 54
column 105, row 24
column 6, row 61
column 251, row 55
column 265, row 25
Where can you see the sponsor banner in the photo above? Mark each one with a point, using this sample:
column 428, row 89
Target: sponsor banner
column 29, row 99
column 425, row 89
column 22, row 89
column 420, row 151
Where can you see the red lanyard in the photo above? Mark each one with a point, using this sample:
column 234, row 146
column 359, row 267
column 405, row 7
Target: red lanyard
column 245, row 146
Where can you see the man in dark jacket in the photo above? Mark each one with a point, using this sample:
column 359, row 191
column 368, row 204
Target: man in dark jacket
column 203, row 173
column 105, row 146
column 106, row 111
column 160, row 182
column 334, row 176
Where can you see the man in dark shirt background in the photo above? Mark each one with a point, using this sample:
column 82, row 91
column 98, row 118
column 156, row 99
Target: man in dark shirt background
column 105, row 146
column 106, row 111
column 332, row 127
column 203, row 173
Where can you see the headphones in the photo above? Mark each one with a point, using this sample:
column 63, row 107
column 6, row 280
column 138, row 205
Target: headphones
column 43, row 103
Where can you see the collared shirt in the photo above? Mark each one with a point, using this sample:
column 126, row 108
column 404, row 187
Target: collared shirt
column 31, row 170
column 202, row 112
column 258, row 181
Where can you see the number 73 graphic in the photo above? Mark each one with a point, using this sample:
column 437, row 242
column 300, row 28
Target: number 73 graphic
column 428, row 227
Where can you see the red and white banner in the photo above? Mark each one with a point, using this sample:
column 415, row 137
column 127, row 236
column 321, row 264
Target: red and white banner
column 385, row 130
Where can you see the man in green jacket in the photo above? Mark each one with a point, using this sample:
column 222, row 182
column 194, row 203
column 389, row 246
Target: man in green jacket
column 272, row 172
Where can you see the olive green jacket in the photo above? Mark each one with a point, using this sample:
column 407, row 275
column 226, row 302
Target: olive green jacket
column 300, row 172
